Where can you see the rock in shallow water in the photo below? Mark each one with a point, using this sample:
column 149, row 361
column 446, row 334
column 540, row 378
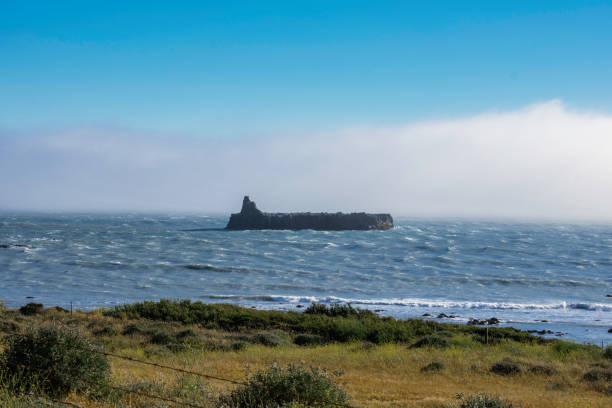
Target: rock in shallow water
column 479, row 322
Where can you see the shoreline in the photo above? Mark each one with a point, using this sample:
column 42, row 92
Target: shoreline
column 543, row 329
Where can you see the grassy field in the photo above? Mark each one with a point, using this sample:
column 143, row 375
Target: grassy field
column 379, row 362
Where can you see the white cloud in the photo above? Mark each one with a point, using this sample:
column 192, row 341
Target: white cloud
column 542, row 161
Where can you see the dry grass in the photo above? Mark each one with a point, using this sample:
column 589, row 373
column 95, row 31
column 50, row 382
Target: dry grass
column 374, row 376
column 390, row 376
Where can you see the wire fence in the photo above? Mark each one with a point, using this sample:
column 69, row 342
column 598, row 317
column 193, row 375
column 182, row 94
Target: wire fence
column 159, row 397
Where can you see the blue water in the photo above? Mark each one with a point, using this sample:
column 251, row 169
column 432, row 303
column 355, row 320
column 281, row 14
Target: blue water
column 519, row 273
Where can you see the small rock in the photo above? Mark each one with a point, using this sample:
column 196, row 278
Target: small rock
column 299, row 306
column 426, row 315
column 481, row 322
column 610, row 331
column 20, row 246
column 29, row 297
column 379, row 310
column 609, row 295
column 442, row 316
column 4, row 246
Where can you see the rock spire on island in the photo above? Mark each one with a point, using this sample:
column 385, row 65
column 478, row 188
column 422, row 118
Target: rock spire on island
column 251, row 218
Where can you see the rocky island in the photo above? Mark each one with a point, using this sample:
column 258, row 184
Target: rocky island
column 251, row 218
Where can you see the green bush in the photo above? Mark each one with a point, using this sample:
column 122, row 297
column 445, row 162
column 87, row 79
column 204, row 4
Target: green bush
column 308, row 340
column 56, row 360
column 431, row 341
column 341, row 323
column 608, row 352
column 278, row 387
column 433, row 367
column 188, row 336
column 162, row 337
column 506, row 367
column 270, row 339
column 481, row 401
column 337, row 310
column 563, row 348
column 132, row 329
column 31, row 309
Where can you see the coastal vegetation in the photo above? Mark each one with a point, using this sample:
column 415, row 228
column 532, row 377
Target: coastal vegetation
column 151, row 354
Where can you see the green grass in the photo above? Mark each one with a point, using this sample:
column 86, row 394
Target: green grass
column 335, row 323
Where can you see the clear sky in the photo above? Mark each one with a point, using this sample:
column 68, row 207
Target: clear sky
column 225, row 72
column 228, row 68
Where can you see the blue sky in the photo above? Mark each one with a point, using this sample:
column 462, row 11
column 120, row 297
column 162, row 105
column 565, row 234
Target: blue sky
column 239, row 69
column 437, row 109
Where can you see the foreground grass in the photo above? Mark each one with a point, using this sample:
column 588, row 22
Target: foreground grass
column 232, row 342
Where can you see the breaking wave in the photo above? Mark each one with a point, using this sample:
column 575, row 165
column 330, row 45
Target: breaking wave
column 418, row 303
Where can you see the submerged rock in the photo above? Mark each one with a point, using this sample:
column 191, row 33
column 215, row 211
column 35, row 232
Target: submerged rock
column 251, row 218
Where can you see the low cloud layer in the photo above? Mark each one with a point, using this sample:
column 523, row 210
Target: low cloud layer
column 542, row 161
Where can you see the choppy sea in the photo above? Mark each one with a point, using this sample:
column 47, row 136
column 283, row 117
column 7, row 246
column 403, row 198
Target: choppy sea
column 532, row 276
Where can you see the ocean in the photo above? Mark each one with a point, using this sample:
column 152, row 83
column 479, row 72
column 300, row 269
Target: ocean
column 533, row 276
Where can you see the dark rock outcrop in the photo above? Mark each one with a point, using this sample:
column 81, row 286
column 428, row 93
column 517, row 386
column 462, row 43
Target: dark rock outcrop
column 493, row 320
column 251, row 218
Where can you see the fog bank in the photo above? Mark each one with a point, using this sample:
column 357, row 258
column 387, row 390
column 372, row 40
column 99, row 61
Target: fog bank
column 542, row 161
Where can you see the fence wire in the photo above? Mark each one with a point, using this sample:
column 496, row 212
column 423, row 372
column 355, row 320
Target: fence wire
column 158, row 397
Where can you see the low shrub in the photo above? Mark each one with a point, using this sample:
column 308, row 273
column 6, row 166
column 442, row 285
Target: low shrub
column 506, row 367
column 430, row 341
column 31, row 309
column 598, row 374
column 340, row 323
column 56, row 361
column 563, row 348
column 337, row 310
column 238, row 345
column 543, row 370
column 132, row 329
column 433, row 367
column 608, row 353
column 8, row 326
column 481, row 401
column 280, row 387
column 270, row 339
column 189, row 336
column 308, row 340
column 106, row 331
column 162, row 337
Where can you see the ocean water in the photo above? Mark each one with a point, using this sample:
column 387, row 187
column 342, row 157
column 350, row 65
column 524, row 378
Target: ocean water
column 531, row 276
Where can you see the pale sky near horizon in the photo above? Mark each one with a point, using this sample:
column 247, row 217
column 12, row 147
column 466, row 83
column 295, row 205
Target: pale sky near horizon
column 471, row 109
